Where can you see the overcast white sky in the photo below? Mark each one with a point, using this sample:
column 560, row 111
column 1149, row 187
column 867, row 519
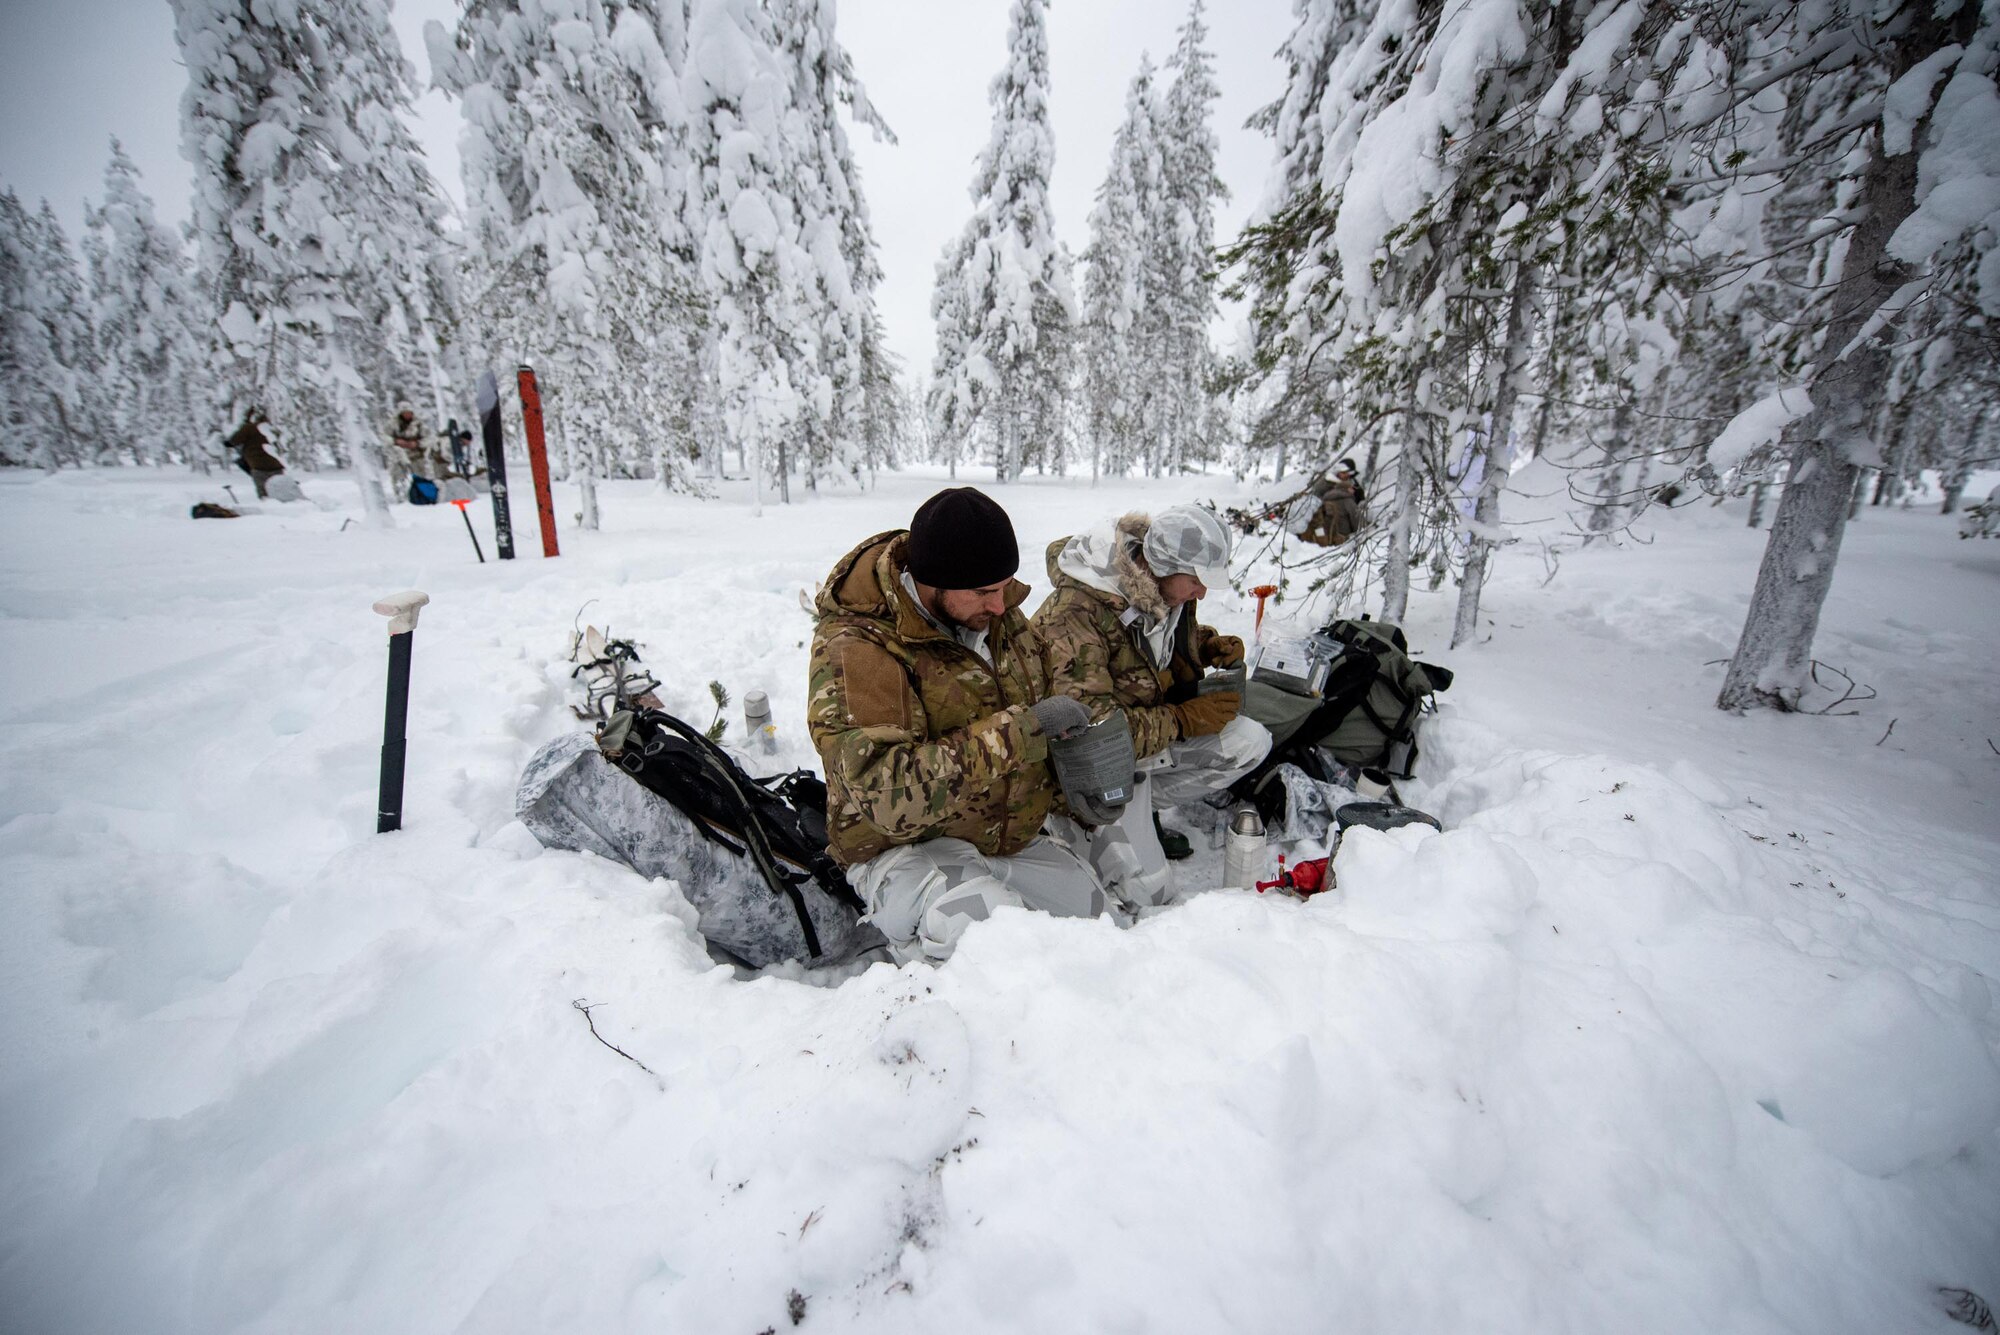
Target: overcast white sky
column 75, row 72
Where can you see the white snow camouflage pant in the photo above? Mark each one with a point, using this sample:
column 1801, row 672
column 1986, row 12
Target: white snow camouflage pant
column 923, row 896
column 1126, row 854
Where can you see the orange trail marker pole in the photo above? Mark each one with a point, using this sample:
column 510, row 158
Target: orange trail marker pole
column 1262, row 591
column 538, row 458
column 461, row 504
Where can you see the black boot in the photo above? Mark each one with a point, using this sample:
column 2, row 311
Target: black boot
column 1172, row 842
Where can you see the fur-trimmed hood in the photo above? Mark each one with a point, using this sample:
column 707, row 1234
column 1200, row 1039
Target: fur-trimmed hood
column 1107, row 560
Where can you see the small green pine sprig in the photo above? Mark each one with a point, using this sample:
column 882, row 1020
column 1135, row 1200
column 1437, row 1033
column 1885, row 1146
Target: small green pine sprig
column 718, row 725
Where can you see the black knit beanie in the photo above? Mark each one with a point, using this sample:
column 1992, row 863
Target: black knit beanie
column 962, row 539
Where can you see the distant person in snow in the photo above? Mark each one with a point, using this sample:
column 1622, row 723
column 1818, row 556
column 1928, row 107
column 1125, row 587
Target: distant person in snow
column 253, row 454
column 459, row 442
column 1120, row 630
column 408, row 452
column 1340, row 515
column 932, row 715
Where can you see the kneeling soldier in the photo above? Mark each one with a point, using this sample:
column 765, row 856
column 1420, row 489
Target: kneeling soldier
column 930, row 709
column 1119, row 632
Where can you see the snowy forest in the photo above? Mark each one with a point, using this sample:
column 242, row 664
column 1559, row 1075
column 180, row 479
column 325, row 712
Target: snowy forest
column 1626, row 371
column 1676, row 248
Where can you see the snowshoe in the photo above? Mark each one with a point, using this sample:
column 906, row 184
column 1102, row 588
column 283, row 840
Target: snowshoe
column 611, row 676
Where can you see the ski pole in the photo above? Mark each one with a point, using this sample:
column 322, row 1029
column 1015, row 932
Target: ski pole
column 461, row 503
column 401, row 609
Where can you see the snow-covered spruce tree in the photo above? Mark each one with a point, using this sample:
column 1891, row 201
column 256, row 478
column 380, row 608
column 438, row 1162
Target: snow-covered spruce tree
column 317, row 221
column 48, row 357
column 1184, row 242
column 834, row 230
column 745, row 142
column 149, row 324
column 885, row 406
column 1123, row 357
column 1002, row 302
column 951, row 405
column 1348, row 61
column 1917, row 127
column 1445, row 162
column 1279, row 254
column 1149, row 291
column 574, row 160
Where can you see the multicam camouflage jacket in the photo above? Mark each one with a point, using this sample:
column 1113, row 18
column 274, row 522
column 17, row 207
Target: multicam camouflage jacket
column 921, row 737
column 1095, row 652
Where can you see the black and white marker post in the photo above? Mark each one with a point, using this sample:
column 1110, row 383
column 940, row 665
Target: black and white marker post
column 401, row 609
column 496, row 465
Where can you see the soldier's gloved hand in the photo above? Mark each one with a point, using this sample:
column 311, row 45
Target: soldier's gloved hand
column 1225, row 651
column 1060, row 715
column 1206, row 715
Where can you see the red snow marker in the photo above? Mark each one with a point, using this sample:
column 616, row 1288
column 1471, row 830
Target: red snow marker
column 538, row 458
column 461, row 503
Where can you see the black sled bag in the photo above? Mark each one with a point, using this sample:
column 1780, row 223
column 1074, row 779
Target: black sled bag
column 656, row 794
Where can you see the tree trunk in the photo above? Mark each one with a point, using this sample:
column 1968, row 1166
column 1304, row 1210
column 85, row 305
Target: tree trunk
column 1497, row 455
column 1757, row 491
column 429, row 340
column 1769, row 667
column 584, row 469
column 367, row 473
column 1954, row 486
column 1889, row 484
column 1611, row 474
column 1396, row 564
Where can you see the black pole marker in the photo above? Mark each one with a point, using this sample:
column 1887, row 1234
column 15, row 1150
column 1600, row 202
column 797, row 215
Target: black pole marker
column 401, row 609
column 461, row 504
column 496, row 464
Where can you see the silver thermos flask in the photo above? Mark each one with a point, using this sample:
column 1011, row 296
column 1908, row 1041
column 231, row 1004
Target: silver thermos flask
column 757, row 724
column 1244, row 851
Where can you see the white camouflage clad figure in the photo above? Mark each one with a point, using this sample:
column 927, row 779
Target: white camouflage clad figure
column 1120, row 631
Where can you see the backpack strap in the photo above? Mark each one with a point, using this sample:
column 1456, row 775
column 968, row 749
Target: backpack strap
column 1401, row 731
column 799, row 790
column 1360, row 670
column 755, row 844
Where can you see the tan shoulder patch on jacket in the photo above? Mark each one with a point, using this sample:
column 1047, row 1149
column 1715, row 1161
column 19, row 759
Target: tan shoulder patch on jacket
column 873, row 686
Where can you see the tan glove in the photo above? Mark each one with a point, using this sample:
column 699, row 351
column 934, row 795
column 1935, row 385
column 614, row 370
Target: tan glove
column 1225, row 651
column 1205, row 715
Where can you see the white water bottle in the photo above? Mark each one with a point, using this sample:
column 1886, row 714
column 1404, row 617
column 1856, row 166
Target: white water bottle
column 1243, row 852
column 757, row 725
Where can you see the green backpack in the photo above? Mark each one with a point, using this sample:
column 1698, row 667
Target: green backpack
column 1368, row 709
column 1380, row 730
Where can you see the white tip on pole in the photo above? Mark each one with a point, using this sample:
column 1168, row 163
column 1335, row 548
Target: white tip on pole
column 402, row 609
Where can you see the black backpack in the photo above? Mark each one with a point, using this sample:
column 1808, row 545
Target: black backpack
column 777, row 823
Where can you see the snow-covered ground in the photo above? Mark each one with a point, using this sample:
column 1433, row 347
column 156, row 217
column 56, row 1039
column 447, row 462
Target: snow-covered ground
column 1687, row 1022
